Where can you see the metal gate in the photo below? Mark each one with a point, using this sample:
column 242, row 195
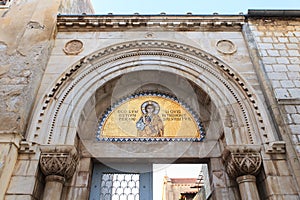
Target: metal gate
column 132, row 182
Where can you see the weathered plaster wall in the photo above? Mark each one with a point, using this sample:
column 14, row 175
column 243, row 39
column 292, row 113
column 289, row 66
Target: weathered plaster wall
column 26, row 37
column 26, row 29
column 27, row 32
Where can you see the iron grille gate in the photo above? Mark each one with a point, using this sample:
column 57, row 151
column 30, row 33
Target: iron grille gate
column 116, row 186
column 133, row 182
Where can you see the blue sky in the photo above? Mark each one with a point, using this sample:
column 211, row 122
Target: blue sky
column 184, row 6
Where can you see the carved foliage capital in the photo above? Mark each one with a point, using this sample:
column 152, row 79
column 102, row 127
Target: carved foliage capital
column 242, row 160
column 58, row 160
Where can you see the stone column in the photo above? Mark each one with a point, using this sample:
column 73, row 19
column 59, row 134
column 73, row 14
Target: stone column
column 9, row 145
column 247, row 186
column 58, row 163
column 242, row 163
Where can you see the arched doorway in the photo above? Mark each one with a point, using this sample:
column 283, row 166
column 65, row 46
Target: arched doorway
column 226, row 104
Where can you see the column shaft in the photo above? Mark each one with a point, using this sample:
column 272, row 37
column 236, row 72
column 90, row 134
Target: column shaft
column 58, row 163
column 53, row 188
column 248, row 188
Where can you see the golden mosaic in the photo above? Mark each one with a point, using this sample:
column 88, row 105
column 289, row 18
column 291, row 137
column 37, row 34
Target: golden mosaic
column 150, row 116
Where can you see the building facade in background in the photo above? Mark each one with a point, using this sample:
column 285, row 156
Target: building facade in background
column 76, row 89
column 179, row 188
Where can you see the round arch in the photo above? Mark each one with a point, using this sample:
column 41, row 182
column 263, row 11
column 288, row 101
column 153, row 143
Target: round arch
column 243, row 118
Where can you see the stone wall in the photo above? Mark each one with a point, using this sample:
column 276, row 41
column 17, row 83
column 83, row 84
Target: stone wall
column 26, row 39
column 27, row 32
column 278, row 42
column 27, row 181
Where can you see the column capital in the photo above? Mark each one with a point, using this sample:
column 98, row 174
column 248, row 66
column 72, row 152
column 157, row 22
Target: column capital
column 242, row 160
column 59, row 160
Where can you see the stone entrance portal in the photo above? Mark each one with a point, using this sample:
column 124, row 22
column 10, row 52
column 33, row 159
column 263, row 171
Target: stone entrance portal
column 210, row 111
column 128, row 103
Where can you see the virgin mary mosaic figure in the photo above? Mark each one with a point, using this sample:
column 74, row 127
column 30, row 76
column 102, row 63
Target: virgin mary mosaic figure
column 150, row 124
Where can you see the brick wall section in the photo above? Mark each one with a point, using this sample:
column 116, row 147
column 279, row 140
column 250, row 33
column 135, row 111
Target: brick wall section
column 279, row 47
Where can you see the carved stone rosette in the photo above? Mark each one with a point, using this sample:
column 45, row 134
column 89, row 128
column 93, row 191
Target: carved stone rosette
column 58, row 160
column 242, row 160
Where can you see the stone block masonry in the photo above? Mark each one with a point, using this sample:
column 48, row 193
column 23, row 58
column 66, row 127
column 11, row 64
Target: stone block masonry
column 279, row 47
column 278, row 42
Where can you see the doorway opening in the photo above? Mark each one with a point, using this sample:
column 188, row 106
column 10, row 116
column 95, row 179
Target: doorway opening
column 137, row 181
column 181, row 181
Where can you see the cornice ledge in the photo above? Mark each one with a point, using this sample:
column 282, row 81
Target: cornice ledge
column 27, row 147
column 289, row 101
column 101, row 22
column 11, row 137
column 276, row 147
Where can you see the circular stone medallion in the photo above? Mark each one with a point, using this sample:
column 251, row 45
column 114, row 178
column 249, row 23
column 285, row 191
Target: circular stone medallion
column 226, row 47
column 73, row 47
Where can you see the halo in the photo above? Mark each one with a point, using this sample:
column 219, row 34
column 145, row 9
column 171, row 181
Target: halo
column 146, row 103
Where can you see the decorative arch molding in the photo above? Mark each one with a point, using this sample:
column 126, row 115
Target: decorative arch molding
column 206, row 71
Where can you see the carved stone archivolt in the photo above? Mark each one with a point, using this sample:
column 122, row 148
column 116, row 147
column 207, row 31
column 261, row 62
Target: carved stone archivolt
column 58, row 160
column 242, row 160
column 146, row 48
